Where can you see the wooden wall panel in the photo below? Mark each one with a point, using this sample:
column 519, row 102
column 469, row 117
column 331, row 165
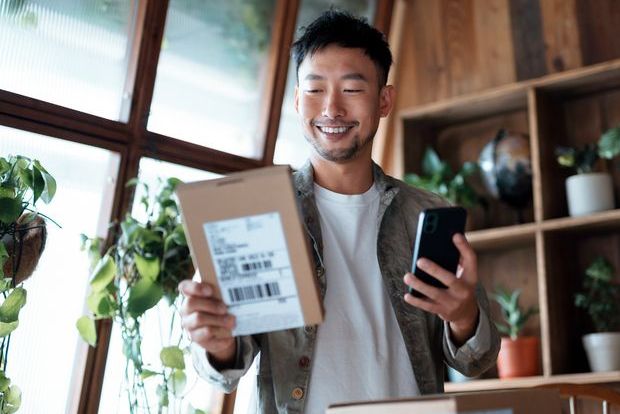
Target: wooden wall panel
column 527, row 37
column 561, row 35
column 598, row 29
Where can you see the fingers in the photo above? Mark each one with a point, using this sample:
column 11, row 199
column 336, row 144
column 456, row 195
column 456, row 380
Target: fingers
column 197, row 320
column 438, row 272
column 427, row 290
column 468, row 260
column 191, row 288
column 424, row 304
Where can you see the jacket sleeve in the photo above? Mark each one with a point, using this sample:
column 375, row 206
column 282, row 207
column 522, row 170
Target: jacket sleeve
column 479, row 353
column 227, row 379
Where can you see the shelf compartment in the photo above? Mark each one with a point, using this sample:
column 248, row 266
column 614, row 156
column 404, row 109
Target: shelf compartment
column 567, row 255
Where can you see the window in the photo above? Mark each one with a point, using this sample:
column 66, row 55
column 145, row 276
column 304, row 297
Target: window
column 291, row 147
column 156, row 321
column 78, row 47
column 210, row 74
column 46, row 357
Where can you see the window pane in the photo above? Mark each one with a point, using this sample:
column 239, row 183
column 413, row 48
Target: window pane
column 210, row 74
column 69, row 52
column 46, row 358
column 155, row 322
column 291, row 147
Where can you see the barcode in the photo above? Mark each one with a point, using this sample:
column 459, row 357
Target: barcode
column 265, row 264
column 266, row 290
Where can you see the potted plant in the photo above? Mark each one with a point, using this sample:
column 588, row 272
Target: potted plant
column 143, row 266
column 588, row 191
column 518, row 356
column 23, row 182
column 439, row 178
column 601, row 299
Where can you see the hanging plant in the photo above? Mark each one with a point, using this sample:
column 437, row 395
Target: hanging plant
column 143, row 266
column 23, row 182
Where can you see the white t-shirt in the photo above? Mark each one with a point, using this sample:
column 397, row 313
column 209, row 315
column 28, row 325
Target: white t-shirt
column 360, row 353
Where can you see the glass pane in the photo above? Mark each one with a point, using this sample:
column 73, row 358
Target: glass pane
column 46, row 358
column 291, row 146
column 198, row 393
column 210, row 74
column 69, row 52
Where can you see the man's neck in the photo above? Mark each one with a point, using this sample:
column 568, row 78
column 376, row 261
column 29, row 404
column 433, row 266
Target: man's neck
column 351, row 177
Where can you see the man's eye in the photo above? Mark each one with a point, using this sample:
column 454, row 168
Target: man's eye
column 313, row 90
column 353, row 90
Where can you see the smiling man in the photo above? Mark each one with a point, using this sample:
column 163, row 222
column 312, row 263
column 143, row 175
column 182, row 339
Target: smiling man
column 377, row 341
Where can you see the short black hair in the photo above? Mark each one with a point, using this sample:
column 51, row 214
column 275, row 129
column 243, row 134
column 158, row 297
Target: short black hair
column 343, row 29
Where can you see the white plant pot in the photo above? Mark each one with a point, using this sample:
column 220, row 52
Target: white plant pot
column 589, row 193
column 603, row 350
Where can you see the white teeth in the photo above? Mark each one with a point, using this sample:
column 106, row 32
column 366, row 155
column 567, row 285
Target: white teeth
column 337, row 130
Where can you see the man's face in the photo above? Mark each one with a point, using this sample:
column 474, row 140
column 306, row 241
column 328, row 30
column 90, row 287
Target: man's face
column 340, row 102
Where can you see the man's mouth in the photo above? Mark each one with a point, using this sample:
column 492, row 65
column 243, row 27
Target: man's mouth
column 334, row 129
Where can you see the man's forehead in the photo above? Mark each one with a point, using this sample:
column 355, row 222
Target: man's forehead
column 350, row 62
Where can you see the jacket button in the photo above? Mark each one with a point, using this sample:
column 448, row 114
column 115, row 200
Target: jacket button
column 320, row 271
column 297, row 394
column 309, row 329
column 304, row 362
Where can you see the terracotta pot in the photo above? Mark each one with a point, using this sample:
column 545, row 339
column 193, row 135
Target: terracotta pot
column 518, row 357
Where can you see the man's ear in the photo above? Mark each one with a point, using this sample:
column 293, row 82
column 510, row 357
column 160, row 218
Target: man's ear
column 387, row 98
column 297, row 98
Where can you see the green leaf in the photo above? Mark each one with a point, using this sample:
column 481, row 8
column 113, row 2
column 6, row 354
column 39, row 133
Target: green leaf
column 132, row 182
column 143, row 296
column 7, row 192
column 7, row 328
column 12, row 400
column 38, row 185
column 431, row 163
column 87, row 330
column 147, row 373
column 5, row 284
column 50, row 184
column 4, row 255
column 148, row 268
column 172, row 357
column 179, row 380
column 101, row 303
column 10, row 209
column 9, row 310
column 103, row 274
column 609, row 144
column 4, row 382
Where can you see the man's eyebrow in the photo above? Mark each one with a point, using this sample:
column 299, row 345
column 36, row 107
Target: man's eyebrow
column 354, row 76
column 348, row 76
column 312, row 76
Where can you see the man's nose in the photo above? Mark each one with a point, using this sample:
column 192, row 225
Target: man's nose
column 333, row 106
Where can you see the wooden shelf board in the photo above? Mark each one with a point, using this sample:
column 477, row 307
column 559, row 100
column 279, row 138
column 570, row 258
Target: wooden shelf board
column 600, row 220
column 494, row 101
column 502, row 236
column 602, row 75
column 512, row 97
column 526, row 382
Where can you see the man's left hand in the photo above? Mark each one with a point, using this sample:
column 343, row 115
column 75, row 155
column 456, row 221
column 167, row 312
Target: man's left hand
column 457, row 304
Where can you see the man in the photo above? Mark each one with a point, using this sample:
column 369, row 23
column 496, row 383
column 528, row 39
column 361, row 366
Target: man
column 377, row 341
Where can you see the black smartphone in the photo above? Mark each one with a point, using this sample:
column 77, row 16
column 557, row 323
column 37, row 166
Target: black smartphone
column 436, row 227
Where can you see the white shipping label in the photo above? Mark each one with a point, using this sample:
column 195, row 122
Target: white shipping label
column 254, row 272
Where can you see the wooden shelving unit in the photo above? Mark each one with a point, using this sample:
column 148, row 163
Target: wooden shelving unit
column 546, row 255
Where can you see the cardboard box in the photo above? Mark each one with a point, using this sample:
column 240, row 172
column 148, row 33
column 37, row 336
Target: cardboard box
column 247, row 239
column 524, row 401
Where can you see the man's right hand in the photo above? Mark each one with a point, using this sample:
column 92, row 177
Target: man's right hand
column 207, row 321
